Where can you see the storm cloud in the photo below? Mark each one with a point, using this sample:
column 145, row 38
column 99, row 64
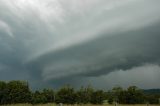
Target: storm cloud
column 57, row 42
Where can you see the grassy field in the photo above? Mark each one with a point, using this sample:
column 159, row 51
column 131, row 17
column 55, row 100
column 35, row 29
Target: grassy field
column 76, row 105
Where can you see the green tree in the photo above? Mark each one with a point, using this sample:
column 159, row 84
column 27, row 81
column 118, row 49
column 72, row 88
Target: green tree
column 152, row 99
column 110, row 97
column 49, row 94
column 83, row 95
column 3, row 93
column 18, row 92
column 116, row 91
column 134, row 95
column 97, row 97
column 66, row 95
column 38, row 98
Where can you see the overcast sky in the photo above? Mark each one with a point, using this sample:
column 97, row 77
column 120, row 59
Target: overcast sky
column 103, row 43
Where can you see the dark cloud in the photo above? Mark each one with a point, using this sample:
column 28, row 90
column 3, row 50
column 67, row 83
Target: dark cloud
column 54, row 42
column 103, row 55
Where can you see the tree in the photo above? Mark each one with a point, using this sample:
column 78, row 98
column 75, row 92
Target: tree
column 134, row 95
column 116, row 91
column 123, row 97
column 66, row 95
column 13, row 92
column 18, row 92
column 97, row 97
column 38, row 98
column 3, row 92
column 84, row 95
column 49, row 94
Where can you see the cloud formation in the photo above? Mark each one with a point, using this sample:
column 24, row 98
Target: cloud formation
column 146, row 76
column 52, row 42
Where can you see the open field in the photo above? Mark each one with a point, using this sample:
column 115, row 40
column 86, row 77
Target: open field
column 77, row 105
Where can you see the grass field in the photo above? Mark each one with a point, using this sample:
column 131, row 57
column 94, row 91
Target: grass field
column 76, row 105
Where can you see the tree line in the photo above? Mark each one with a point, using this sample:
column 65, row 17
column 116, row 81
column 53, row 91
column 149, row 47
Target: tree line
column 13, row 92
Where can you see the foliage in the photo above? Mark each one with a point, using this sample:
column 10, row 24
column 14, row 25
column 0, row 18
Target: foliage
column 14, row 92
column 132, row 95
column 38, row 98
column 97, row 97
column 66, row 95
column 84, row 95
column 49, row 94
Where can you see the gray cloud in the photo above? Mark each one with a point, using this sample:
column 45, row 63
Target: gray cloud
column 102, row 55
column 141, row 76
column 55, row 41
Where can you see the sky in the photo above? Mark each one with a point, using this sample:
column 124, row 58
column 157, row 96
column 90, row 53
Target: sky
column 103, row 43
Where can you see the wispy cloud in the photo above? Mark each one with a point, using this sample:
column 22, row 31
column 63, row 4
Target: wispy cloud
column 4, row 27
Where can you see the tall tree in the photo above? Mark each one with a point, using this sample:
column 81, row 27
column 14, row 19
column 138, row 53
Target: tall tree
column 38, row 98
column 19, row 92
column 49, row 94
column 134, row 95
column 66, row 95
column 3, row 92
column 97, row 97
column 117, row 93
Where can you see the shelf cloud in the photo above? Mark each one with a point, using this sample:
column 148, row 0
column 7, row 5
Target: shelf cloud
column 57, row 42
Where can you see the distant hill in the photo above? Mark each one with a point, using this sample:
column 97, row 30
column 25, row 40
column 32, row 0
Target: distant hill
column 152, row 91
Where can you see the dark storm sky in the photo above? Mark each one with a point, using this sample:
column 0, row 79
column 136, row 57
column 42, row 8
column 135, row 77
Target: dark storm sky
column 79, row 42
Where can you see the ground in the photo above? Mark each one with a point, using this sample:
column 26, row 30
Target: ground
column 77, row 105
